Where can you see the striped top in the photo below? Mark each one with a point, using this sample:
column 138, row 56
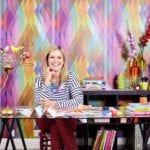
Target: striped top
column 67, row 95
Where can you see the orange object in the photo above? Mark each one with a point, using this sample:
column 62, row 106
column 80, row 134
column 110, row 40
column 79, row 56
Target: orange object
column 143, row 100
column 134, row 70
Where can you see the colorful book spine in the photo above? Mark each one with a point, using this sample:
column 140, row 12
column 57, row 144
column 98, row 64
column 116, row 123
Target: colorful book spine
column 104, row 140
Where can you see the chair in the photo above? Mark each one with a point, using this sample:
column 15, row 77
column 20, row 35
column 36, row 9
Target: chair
column 44, row 141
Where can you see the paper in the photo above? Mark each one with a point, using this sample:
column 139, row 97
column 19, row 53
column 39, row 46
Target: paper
column 40, row 111
column 54, row 113
column 26, row 112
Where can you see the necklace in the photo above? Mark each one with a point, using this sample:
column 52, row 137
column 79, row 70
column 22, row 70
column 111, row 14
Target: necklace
column 54, row 88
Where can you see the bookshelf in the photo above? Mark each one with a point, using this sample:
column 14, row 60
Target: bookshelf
column 111, row 98
column 115, row 95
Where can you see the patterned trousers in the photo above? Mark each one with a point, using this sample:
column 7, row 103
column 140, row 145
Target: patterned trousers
column 61, row 132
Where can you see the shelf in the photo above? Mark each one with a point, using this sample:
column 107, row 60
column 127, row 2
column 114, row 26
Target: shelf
column 116, row 92
column 113, row 97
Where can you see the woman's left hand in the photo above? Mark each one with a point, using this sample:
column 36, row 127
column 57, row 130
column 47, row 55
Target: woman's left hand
column 47, row 103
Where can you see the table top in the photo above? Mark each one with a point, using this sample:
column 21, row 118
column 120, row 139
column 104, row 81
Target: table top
column 24, row 112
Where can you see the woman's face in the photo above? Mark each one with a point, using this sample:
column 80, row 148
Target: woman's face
column 56, row 60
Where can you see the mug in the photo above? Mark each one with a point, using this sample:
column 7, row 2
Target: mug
column 143, row 100
column 144, row 85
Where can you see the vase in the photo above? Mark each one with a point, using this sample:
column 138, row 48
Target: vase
column 134, row 73
column 142, row 64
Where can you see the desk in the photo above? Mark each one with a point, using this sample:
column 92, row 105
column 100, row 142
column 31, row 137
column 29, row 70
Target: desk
column 143, row 121
column 9, row 124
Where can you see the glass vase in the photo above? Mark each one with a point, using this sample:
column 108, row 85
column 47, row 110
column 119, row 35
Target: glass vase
column 134, row 73
column 142, row 64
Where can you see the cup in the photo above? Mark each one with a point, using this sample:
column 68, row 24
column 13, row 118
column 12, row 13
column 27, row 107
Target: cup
column 144, row 85
column 121, row 81
column 143, row 100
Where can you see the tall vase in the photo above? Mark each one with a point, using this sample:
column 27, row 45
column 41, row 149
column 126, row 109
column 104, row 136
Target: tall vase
column 142, row 64
column 134, row 73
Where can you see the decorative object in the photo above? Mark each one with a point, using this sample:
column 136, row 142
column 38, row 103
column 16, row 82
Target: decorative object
column 134, row 73
column 143, row 100
column 142, row 44
column 136, row 61
column 144, row 83
column 133, row 68
column 7, row 111
column 10, row 57
column 121, row 81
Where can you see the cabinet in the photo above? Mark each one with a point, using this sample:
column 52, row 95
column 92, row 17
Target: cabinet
column 113, row 98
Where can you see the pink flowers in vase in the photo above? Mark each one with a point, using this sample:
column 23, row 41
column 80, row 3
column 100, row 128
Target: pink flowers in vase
column 132, row 52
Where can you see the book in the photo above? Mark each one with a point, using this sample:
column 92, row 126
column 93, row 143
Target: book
column 137, row 107
column 107, row 140
column 112, row 139
column 134, row 113
column 102, row 142
column 97, row 140
column 104, row 139
column 94, row 83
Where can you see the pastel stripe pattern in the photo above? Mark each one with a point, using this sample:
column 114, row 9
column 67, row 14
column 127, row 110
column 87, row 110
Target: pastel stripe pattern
column 92, row 33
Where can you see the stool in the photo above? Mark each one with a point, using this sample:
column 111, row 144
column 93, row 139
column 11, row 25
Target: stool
column 44, row 141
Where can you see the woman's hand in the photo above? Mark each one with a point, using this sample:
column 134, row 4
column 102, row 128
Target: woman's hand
column 45, row 103
column 49, row 73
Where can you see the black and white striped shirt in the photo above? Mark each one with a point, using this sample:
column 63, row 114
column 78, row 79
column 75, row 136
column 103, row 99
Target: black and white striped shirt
column 68, row 95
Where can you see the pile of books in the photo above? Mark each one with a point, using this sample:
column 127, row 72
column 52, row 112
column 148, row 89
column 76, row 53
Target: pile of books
column 94, row 83
column 104, row 139
column 138, row 109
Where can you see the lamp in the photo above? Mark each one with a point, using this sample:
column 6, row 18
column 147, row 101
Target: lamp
column 11, row 57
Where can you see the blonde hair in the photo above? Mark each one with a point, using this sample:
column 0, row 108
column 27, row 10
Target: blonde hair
column 64, row 73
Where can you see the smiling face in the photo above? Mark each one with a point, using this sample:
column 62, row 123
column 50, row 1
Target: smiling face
column 56, row 60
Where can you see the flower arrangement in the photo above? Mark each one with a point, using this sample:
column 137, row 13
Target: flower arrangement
column 11, row 56
column 144, row 38
column 132, row 52
column 143, row 41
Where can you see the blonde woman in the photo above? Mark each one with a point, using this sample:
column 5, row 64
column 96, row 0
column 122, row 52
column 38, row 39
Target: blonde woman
column 58, row 88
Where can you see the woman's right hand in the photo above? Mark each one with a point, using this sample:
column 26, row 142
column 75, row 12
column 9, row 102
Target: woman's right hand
column 48, row 76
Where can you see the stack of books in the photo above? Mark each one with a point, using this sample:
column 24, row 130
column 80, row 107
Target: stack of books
column 94, row 83
column 104, row 139
column 138, row 109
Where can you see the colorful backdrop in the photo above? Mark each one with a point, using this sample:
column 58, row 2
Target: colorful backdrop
column 91, row 32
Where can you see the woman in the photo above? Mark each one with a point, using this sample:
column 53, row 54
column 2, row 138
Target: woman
column 57, row 88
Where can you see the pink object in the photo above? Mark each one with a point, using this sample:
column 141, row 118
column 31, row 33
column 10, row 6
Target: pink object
column 50, row 69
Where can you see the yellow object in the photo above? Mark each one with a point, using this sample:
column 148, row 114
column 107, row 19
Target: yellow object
column 7, row 111
column 121, row 81
column 144, row 85
column 143, row 100
column 16, row 49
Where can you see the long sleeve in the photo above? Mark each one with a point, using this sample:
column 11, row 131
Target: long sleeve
column 41, row 91
column 75, row 93
column 69, row 94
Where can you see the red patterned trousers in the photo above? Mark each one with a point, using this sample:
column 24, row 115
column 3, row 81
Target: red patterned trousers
column 61, row 132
